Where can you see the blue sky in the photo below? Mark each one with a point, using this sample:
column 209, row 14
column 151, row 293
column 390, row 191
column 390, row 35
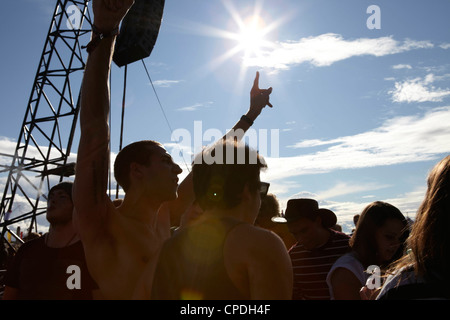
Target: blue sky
column 360, row 114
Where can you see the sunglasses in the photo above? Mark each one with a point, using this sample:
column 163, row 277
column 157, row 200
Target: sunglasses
column 264, row 189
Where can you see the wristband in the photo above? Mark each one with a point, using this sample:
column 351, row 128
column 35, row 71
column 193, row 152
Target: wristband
column 247, row 119
column 98, row 37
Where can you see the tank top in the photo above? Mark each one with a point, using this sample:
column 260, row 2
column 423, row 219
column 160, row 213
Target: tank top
column 191, row 264
column 40, row 272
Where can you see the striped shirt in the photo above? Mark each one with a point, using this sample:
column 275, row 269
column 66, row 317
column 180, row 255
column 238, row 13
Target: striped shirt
column 311, row 267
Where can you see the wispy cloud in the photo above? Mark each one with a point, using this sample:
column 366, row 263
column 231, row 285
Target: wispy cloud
column 419, row 90
column 197, row 106
column 345, row 188
column 402, row 66
column 407, row 203
column 399, row 140
column 165, row 83
column 326, row 49
column 7, row 146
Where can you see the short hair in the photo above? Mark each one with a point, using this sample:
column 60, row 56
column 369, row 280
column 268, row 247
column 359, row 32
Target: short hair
column 66, row 186
column 219, row 184
column 270, row 207
column 138, row 152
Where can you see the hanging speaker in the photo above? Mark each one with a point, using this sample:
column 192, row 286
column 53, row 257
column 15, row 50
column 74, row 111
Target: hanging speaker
column 138, row 32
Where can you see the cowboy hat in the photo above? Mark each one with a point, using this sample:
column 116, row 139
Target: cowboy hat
column 306, row 208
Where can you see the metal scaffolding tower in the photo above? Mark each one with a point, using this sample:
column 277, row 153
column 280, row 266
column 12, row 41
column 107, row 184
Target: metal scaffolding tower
column 46, row 135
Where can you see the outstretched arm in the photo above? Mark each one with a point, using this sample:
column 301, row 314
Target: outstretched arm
column 89, row 192
column 259, row 98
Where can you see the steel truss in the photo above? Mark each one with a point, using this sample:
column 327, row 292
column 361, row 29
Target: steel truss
column 46, row 136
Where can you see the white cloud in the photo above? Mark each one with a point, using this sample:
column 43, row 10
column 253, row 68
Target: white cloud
column 445, row 46
column 407, row 203
column 326, row 49
column 7, row 146
column 196, row 106
column 399, row 140
column 281, row 188
column 165, row 83
column 345, row 188
column 402, row 66
column 30, row 182
column 419, row 90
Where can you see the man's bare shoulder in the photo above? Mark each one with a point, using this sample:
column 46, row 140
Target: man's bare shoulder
column 246, row 236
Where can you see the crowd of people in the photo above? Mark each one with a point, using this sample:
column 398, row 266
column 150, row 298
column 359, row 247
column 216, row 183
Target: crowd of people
column 218, row 234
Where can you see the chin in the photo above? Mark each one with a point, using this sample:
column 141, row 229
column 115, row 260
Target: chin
column 175, row 195
column 171, row 196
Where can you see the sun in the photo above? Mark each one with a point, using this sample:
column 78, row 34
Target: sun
column 251, row 37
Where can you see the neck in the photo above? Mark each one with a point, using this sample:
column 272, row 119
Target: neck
column 324, row 235
column 237, row 213
column 60, row 236
column 140, row 208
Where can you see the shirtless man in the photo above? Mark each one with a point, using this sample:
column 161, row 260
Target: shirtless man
column 120, row 242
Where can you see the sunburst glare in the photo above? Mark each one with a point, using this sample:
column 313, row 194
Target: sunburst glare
column 251, row 32
column 251, row 37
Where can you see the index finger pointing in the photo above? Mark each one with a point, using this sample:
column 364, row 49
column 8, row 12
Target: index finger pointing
column 256, row 81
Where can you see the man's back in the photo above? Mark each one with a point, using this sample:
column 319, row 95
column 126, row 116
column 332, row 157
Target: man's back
column 223, row 258
column 192, row 264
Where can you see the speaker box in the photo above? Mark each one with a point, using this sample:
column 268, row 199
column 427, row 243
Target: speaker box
column 138, row 32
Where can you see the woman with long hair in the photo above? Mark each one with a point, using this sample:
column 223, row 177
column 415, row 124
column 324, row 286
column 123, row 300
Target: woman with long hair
column 377, row 241
column 423, row 273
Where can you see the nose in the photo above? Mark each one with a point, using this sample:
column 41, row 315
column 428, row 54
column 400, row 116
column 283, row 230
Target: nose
column 50, row 203
column 177, row 169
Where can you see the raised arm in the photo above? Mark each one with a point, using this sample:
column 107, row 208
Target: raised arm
column 259, row 98
column 89, row 192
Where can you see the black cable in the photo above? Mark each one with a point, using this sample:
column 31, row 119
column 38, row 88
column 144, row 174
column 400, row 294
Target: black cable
column 162, row 109
column 159, row 102
column 122, row 119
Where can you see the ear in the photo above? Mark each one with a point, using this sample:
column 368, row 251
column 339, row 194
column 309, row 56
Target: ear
column 318, row 221
column 135, row 170
column 246, row 195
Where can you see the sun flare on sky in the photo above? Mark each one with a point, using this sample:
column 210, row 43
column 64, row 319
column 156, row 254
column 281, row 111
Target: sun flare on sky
column 250, row 34
column 251, row 37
